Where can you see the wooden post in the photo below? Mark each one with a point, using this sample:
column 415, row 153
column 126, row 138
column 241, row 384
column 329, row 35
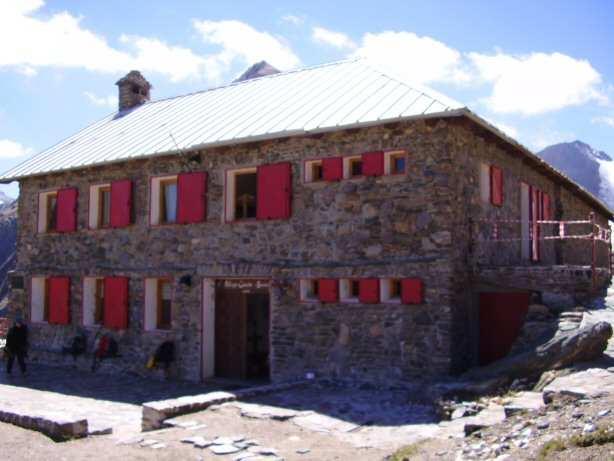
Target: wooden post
column 593, row 250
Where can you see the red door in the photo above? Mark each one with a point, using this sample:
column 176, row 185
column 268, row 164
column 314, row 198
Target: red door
column 501, row 318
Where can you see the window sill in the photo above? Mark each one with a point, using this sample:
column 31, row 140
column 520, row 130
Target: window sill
column 350, row 301
column 160, row 331
column 391, row 301
column 311, row 301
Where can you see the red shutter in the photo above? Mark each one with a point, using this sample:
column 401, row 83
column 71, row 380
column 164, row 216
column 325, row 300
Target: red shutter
column 332, row 168
column 121, row 203
column 496, row 186
column 191, row 190
column 547, row 207
column 369, row 291
column 328, row 290
column 58, row 296
column 274, row 191
column 116, row 302
column 373, row 163
column 412, row 291
column 536, row 215
column 67, row 210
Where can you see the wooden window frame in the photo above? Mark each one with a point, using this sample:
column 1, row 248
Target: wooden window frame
column 100, row 224
column 346, row 294
column 309, row 292
column 49, row 197
column 310, row 166
column 98, row 301
column 160, row 282
column 389, row 167
column 348, row 164
column 230, row 194
column 390, row 290
column 46, row 304
column 163, row 183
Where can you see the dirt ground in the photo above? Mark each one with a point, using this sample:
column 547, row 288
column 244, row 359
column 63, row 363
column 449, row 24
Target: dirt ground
column 18, row 444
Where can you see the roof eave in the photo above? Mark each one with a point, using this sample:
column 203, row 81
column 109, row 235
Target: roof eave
column 535, row 158
column 246, row 140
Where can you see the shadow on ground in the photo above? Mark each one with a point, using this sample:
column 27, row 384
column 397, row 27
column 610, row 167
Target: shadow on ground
column 124, row 388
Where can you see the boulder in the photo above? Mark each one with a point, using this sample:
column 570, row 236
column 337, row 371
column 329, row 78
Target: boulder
column 565, row 349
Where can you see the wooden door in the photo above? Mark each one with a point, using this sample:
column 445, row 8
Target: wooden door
column 501, row 318
column 230, row 334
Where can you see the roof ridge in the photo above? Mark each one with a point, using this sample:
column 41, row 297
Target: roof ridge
column 279, row 74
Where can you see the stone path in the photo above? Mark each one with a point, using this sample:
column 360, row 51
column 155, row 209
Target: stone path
column 106, row 401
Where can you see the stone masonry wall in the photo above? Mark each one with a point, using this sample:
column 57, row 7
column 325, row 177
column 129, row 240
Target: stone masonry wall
column 422, row 224
column 388, row 226
column 498, row 265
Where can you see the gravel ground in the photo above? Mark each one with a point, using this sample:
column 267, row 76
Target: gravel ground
column 523, row 436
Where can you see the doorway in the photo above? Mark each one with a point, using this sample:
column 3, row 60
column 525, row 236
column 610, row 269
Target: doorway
column 501, row 318
column 242, row 319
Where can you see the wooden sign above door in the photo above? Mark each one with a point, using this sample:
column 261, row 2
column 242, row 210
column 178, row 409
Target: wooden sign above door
column 243, row 284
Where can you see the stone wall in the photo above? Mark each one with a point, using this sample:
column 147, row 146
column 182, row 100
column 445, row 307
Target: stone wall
column 421, row 224
column 387, row 226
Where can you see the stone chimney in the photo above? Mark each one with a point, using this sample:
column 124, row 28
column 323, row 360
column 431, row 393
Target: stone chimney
column 133, row 90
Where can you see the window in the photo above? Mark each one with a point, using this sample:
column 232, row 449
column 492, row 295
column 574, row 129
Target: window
column 168, row 201
column 163, row 200
column 262, row 193
column 396, row 163
column 164, row 304
column 110, row 205
column 349, row 290
column 246, row 187
column 309, row 290
column 158, row 303
column 52, row 212
column 314, row 171
column 100, row 206
column 50, row 300
column 93, row 301
column 491, row 184
column 39, row 300
column 485, row 183
column 48, row 212
column 390, row 290
column 352, row 167
column 57, row 211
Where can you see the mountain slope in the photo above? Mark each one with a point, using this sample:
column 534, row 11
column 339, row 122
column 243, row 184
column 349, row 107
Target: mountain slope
column 8, row 237
column 592, row 169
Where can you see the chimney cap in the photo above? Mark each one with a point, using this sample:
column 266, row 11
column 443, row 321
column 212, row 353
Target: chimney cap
column 134, row 76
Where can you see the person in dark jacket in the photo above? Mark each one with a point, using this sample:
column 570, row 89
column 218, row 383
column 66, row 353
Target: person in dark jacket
column 17, row 345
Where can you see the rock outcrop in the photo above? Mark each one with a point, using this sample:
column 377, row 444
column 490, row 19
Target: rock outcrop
column 569, row 347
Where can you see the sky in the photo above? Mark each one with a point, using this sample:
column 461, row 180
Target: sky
column 542, row 71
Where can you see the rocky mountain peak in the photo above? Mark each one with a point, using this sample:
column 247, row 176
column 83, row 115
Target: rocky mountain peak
column 260, row 69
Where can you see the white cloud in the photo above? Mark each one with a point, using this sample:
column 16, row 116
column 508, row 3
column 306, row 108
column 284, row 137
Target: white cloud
column 293, row 19
column 608, row 121
column 241, row 42
column 176, row 62
column 507, row 129
column 108, row 101
column 13, row 149
column 420, row 60
column 61, row 41
column 537, row 83
column 329, row 37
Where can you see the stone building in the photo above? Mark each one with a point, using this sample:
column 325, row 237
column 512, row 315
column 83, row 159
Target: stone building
column 332, row 220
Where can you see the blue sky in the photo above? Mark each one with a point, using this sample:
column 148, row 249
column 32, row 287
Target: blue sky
column 542, row 71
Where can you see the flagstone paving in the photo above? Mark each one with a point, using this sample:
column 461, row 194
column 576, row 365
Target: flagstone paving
column 108, row 402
